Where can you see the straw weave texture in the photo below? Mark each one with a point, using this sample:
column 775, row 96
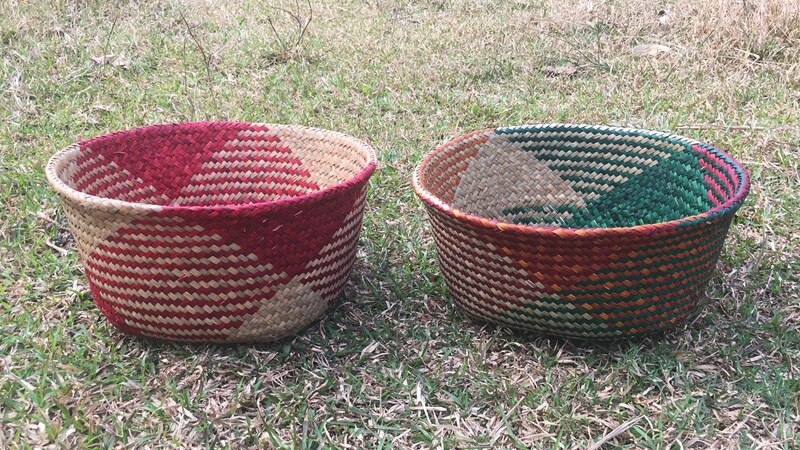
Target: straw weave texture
column 578, row 230
column 214, row 231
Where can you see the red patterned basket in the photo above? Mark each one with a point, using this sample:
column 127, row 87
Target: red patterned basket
column 578, row 230
column 217, row 231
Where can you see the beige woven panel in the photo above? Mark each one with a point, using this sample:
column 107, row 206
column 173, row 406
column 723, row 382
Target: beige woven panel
column 503, row 174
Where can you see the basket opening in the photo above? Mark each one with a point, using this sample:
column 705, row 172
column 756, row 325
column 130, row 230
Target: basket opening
column 579, row 176
column 212, row 164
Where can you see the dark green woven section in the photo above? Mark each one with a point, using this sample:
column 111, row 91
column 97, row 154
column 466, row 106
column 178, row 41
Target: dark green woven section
column 660, row 206
column 671, row 189
column 564, row 128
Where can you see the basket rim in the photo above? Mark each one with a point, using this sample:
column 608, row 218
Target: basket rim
column 126, row 207
column 445, row 208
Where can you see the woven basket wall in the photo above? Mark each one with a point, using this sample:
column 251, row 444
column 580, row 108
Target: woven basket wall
column 217, row 231
column 577, row 230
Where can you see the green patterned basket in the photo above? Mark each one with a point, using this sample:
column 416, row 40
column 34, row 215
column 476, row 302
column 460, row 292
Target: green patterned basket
column 579, row 230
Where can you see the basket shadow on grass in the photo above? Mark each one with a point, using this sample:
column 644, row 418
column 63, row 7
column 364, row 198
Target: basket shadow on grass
column 155, row 344
column 720, row 332
column 717, row 321
column 423, row 337
column 611, row 349
column 340, row 325
column 413, row 329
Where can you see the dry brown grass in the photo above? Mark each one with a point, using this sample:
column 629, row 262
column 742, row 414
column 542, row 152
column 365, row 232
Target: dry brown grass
column 394, row 365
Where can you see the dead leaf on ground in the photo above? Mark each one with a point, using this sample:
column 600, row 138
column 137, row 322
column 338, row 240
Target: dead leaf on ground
column 560, row 71
column 115, row 60
column 649, row 49
column 122, row 61
column 104, row 59
column 102, row 107
column 88, row 118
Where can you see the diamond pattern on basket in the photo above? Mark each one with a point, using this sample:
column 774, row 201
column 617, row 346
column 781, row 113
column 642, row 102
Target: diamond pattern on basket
column 579, row 230
column 219, row 231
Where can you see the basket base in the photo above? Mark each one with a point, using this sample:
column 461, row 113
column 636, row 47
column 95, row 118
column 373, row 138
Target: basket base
column 587, row 336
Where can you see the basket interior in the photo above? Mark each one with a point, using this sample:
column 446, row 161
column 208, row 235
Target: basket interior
column 212, row 164
column 579, row 176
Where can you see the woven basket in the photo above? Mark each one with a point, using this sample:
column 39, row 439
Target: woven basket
column 216, row 232
column 578, row 230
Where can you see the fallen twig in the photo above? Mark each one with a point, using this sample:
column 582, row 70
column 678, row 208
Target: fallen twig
column 302, row 26
column 58, row 225
column 60, row 250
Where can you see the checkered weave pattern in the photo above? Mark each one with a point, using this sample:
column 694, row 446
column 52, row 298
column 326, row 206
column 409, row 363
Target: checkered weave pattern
column 214, row 231
column 582, row 231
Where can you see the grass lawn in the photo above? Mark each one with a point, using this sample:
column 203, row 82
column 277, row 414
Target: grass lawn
column 394, row 365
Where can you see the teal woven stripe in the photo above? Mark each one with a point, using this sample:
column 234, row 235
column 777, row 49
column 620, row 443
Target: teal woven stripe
column 555, row 162
column 653, row 196
column 723, row 168
column 530, row 313
column 564, row 128
column 609, row 135
column 582, row 144
column 720, row 198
